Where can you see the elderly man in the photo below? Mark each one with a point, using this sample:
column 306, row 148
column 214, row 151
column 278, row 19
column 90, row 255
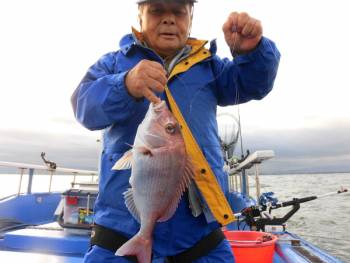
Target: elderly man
column 114, row 96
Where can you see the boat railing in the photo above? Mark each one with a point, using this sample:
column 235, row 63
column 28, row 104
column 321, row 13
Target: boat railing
column 238, row 180
column 49, row 171
column 229, row 129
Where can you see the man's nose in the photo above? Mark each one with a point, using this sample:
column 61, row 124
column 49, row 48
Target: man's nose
column 168, row 19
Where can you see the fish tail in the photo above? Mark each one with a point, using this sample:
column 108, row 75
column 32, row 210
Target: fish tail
column 137, row 246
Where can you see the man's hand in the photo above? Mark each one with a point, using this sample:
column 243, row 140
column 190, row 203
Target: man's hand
column 146, row 78
column 242, row 32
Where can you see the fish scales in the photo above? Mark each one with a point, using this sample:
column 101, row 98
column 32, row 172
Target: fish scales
column 153, row 190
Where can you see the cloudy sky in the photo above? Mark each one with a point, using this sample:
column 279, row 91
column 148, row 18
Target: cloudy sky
column 47, row 46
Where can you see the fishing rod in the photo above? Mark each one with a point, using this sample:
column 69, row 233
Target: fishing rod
column 257, row 217
column 295, row 201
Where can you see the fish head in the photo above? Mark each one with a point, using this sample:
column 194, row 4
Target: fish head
column 160, row 128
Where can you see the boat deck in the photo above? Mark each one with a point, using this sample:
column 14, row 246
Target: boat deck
column 50, row 243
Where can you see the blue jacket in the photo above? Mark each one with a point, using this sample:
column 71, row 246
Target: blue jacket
column 102, row 102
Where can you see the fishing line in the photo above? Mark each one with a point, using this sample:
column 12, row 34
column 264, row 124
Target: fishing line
column 193, row 96
column 240, row 131
column 234, row 30
column 224, row 68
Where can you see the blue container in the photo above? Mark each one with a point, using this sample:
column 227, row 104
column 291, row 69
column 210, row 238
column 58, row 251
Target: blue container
column 78, row 209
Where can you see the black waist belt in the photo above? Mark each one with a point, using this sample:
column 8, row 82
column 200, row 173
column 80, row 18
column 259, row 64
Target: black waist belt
column 200, row 249
column 109, row 239
column 112, row 240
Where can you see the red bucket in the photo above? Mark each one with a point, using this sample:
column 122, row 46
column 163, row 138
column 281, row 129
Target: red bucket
column 252, row 246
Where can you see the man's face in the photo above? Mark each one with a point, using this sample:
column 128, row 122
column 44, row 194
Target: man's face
column 165, row 26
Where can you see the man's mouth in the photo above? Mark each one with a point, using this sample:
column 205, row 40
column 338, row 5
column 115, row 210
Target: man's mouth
column 168, row 34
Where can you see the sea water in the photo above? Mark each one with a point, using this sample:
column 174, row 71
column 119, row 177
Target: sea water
column 324, row 222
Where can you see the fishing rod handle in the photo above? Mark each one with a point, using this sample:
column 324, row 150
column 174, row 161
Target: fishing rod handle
column 299, row 200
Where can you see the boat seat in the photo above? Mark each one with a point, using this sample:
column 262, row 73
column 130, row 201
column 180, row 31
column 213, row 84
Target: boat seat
column 12, row 256
column 47, row 240
column 8, row 224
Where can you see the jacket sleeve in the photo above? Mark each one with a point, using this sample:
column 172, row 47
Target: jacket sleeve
column 246, row 77
column 101, row 98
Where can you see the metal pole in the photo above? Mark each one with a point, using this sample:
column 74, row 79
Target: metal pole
column 30, row 180
column 51, row 175
column 236, row 182
column 88, row 205
column 247, row 184
column 74, row 178
column 244, row 183
column 257, row 181
column 233, row 183
column 20, row 181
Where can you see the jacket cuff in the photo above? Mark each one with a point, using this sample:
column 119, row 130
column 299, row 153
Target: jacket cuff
column 122, row 94
column 263, row 50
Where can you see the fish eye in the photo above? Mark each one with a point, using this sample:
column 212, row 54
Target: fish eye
column 170, row 128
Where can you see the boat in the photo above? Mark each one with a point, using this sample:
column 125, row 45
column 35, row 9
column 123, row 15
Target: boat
column 55, row 226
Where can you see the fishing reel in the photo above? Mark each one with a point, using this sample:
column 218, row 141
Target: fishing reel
column 259, row 217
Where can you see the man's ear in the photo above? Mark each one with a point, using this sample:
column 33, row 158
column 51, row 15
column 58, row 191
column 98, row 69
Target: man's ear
column 140, row 21
column 190, row 26
column 139, row 17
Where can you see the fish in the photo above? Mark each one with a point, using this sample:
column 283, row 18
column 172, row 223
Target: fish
column 161, row 171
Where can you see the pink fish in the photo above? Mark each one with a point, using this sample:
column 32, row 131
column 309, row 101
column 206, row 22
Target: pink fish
column 160, row 173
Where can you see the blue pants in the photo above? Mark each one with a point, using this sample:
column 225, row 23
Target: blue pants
column 221, row 254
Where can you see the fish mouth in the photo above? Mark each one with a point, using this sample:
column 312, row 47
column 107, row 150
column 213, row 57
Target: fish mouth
column 159, row 106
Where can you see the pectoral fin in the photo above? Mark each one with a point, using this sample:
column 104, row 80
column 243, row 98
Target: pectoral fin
column 124, row 162
column 130, row 204
column 194, row 200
